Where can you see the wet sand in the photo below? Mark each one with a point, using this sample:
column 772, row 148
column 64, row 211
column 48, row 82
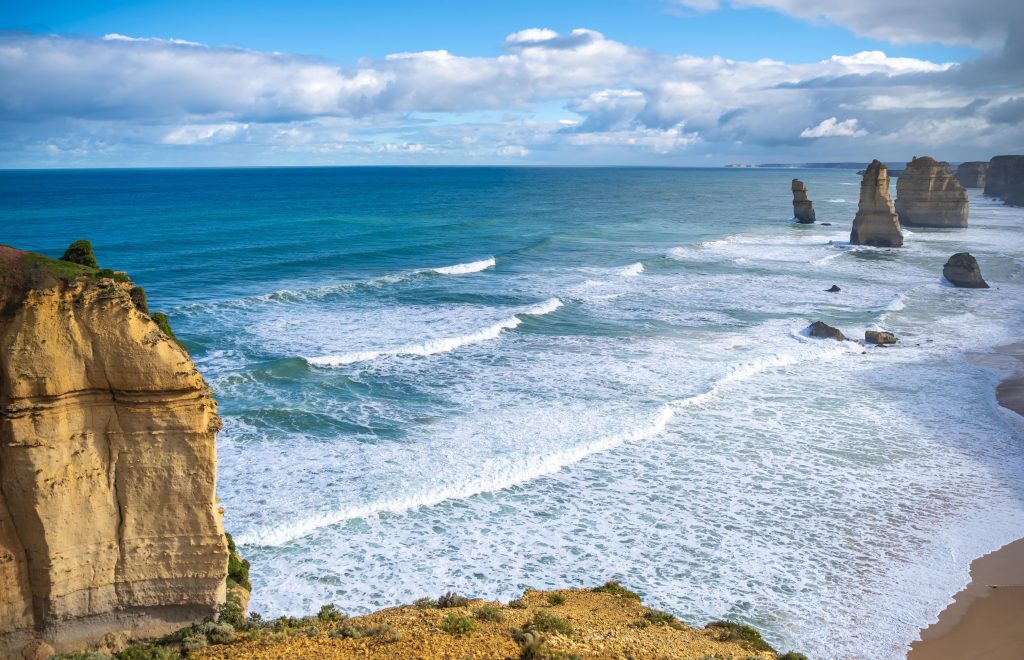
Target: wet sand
column 986, row 619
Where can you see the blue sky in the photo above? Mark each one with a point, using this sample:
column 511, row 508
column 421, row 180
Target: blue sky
column 658, row 82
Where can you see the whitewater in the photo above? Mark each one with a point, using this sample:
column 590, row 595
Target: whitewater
column 484, row 380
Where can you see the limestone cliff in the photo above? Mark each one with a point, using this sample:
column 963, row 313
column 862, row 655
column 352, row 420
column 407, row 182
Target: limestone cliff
column 1005, row 179
column 927, row 195
column 803, row 208
column 109, row 522
column 876, row 222
column 972, row 174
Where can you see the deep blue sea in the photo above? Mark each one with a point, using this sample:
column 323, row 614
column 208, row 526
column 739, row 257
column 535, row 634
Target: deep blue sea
column 486, row 379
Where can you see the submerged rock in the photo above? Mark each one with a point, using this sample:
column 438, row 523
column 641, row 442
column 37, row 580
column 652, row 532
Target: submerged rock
column 879, row 337
column 962, row 270
column 803, row 208
column 825, row 331
column 876, row 222
column 927, row 195
column 1005, row 179
column 972, row 174
column 833, row 289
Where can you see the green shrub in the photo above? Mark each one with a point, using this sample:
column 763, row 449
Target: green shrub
column 147, row 652
column 165, row 327
column 138, row 295
column 231, row 612
column 537, row 650
column 548, row 622
column 80, row 252
column 616, row 589
column 455, row 624
column 556, row 599
column 217, row 632
column 659, row 618
column 640, row 623
column 110, row 274
column 425, row 603
column 193, row 643
column 488, row 613
column 731, row 631
column 451, row 599
column 517, row 604
column 792, row 655
column 384, row 633
column 330, row 612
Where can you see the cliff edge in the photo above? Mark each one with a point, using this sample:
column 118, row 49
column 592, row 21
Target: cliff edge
column 109, row 524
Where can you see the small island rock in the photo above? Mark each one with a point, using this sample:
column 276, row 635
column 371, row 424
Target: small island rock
column 927, row 195
column 876, row 222
column 972, row 174
column 833, row 289
column 962, row 270
column 825, row 331
column 879, row 337
column 803, row 208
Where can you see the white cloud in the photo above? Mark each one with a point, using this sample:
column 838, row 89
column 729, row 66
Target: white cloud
column 206, row 134
column 832, row 127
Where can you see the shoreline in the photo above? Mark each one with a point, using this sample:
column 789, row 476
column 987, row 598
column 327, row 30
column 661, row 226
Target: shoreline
column 983, row 621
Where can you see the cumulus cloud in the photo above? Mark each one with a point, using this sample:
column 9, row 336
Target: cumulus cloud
column 832, row 127
column 548, row 96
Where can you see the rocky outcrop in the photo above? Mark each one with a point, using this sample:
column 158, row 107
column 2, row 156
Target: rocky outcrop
column 927, row 195
column 833, row 289
column 1005, row 179
column 876, row 222
column 879, row 337
column 962, row 270
column 825, row 331
column 972, row 174
column 803, row 208
column 109, row 522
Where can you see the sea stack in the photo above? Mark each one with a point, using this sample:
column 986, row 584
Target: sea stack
column 962, row 270
column 927, row 195
column 876, row 222
column 109, row 523
column 803, row 208
column 972, row 174
column 1005, row 179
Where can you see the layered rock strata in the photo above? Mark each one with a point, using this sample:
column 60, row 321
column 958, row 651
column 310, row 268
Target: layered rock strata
column 109, row 522
column 962, row 270
column 876, row 222
column 1005, row 179
column 927, row 195
column 972, row 174
column 803, row 208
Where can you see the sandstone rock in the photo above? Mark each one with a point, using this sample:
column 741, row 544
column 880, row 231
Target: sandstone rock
column 803, row 208
column 37, row 649
column 109, row 524
column 927, row 195
column 879, row 337
column 1005, row 179
column 825, row 331
column 972, row 174
column 833, row 289
column 962, row 270
column 876, row 222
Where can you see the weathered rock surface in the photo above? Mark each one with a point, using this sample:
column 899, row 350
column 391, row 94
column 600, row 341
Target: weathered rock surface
column 803, row 208
column 927, row 195
column 876, row 222
column 972, row 174
column 1005, row 179
column 962, row 270
column 879, row 337
column 833, row 289
column 825, row 331
column 109, row 522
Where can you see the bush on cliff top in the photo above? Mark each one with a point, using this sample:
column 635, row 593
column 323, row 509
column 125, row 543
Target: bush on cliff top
column 80, row 252
column 731, row 631
column 238, row 568
column 614, row 588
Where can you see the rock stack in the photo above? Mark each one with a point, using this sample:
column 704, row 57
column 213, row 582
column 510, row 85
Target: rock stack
column 109, row 523
column 927, row 195
column 972, row 174
column 876, row 222
column 962, row 270
column 1005, row 179
column 803, row 208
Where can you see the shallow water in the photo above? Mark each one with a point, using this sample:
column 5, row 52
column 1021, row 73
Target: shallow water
column 488, row 379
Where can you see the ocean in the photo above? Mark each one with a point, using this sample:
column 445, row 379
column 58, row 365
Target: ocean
column 488, row 379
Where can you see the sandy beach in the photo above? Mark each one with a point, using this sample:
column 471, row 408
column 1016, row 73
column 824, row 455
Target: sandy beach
column 983, row 621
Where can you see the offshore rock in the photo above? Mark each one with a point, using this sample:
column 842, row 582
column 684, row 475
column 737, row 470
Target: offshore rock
column 825, row 331
column 927, row 195
column 803, row 208
column 962, row 270
column 972, row 174
column 1005, row 179
column 833, row 289
column 879, row 337
column 109, row 522
column 876, row 222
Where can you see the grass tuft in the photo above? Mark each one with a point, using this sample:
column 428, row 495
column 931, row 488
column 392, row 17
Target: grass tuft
column 616, row 589
column 556, row 599
column 455, row 624
column 451, row 599
column 731, row 631
column 547, row 622
column 488, row 613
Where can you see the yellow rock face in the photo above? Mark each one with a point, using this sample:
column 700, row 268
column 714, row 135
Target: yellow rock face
column 109, row 525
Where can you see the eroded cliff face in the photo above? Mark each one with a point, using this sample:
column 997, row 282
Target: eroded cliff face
column 1005, row 179
column 972, row 174
column 927, row 195
column 109, row 523
column 803, row 208
column 876, row 222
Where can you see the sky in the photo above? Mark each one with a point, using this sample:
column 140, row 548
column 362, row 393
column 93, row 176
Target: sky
column 598, row 82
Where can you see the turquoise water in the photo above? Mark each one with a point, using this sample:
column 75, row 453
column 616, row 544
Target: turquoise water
column 488, row 379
